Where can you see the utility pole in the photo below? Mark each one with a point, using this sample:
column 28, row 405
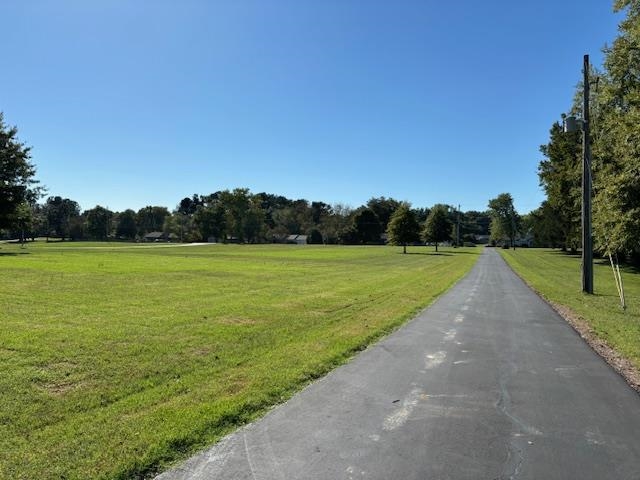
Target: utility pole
column 587, row 241
column 458, row 228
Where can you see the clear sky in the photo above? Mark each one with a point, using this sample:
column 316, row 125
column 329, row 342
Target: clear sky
column 130, row 103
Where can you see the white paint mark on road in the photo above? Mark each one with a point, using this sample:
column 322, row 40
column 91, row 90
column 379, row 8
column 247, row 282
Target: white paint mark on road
column 594, row 438
column 461, row 362
column 246, row 449
column 566, row 371
column 465, row 308
column 400, row 416
column 459, row 318
column 434, row 359
column 450, row 335
column 374, row 437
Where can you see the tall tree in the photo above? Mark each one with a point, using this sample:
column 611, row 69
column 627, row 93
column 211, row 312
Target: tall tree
column 560, row 176
column 16, row 175
column 99, row 222
column 210, row 220
column 151, row 219
column 60, row 214
column 383, row 208
column 505, row 221
column 438, row 226
column 366, row 226
column 616, row 138
column 403, row 227
column 236, row 204
column 126, row 227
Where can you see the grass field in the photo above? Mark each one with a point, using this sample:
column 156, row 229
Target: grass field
column 118, row 360
column 557, row 276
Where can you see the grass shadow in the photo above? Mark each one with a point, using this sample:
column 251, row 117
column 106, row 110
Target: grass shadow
column 13, row 254
column 439, row 254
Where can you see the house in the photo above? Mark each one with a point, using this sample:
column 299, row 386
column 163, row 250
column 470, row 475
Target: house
column 297, row 239
column 160, row 237
column 154, row 237
column 482, row 239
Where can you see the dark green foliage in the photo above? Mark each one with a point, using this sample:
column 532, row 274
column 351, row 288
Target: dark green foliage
column 315, row 237
column 210, row 220
column 61, row 214
column 16, row 175
column 366, row 226
column 615, row 142
column 384, row 209
column 188, row 205
column 505, row 221
column 560, row 175
column 403, row 227
column 151, row 219
column 438, row 226
column 475, row 223
column 126, row 227
column 98, row 222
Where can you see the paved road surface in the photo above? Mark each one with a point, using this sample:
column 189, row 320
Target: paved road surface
column 488, row 383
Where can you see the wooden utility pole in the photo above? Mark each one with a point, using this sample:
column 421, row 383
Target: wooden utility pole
column 587, row 241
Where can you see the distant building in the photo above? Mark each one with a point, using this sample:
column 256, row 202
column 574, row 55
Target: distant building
column 160, row 237
column 481, row 239
column 297, row 239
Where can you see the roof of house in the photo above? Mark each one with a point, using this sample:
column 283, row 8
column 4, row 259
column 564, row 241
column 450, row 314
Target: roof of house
column 154, row 235
column 297, row 238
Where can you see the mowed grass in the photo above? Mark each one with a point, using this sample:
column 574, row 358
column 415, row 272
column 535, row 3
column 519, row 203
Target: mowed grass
column 557, row 276
column 119, row 360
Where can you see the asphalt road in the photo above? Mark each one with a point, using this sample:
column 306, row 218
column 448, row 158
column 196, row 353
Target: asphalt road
column 487, row 383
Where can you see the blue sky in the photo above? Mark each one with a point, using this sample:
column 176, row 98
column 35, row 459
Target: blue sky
column 132, row 103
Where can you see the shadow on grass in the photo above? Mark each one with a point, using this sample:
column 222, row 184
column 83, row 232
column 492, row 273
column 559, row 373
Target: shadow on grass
column 13, row 254
column 439, row 254
column 567, row 253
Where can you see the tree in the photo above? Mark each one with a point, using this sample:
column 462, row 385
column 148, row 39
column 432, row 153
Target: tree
column 560, row 176
column 151, row 219
column 383, row 208
column 616, row 142
column 366, row 226
column 99, row 222
column 333, row 226
column 403, row 227
column 126, row 227
column 438, row 226
column 546, row 226
column 319, row 212
column 188, row 206
column 210, row 220
column 60, row 213
column 24, row 221
column 16, row 175
column 505, row 221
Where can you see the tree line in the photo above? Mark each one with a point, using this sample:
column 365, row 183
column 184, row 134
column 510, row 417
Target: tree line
column 240, row 216
column 614, row 97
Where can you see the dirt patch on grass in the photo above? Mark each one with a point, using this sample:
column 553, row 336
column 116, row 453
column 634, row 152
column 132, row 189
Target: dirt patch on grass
column 57, row 389
column 620, row 364
column 237, row 321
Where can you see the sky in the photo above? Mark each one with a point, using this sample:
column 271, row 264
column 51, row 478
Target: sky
column 128, row 103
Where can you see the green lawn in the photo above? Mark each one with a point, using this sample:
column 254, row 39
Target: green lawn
column 557, row 276
column 118, row 359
